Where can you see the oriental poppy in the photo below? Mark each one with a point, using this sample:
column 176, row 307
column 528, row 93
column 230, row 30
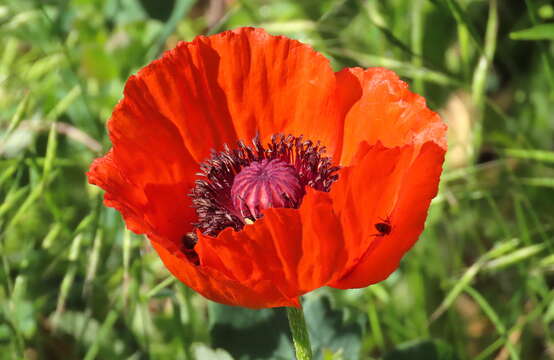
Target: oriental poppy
column 259, row 174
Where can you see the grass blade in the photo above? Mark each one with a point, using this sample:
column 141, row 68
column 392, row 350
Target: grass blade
column 402, row 68
column 467, row 278
column 537, row 32
column 479, row 83
column 17, row 117
column 547, row 182
column 102, row 335
column 180, row 10
column 538, row 155
column 68, row 279
column 50, row 156
column 463, row 20
column 515, row 257
column 417, row 41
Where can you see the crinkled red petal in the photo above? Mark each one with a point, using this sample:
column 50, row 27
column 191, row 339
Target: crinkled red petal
column 296, row 250
column 388, row 184
column 147, row 168
column 273, row 84
column 389, row 113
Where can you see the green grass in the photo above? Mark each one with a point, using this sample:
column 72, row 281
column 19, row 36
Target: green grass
column 75, row 284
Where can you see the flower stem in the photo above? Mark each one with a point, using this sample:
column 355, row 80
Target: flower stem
column 299, row 332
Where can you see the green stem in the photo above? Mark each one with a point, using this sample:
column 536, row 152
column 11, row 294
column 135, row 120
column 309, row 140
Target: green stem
column 299, row 332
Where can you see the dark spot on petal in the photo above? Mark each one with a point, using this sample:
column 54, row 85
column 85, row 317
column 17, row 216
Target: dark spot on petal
column 188, row 243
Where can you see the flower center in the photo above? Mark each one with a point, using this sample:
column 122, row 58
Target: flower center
column 239, row 183
column 269, row 183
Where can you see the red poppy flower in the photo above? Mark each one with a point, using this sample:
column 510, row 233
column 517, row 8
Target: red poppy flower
column 308, row 177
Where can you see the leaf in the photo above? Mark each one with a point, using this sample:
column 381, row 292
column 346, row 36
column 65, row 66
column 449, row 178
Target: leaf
column 537, row 32
column 264, row 334
column 328, row 331
column 5, row 333
column 202, row 351
column 79, row 323
column 422, row 350
column 160, row 10
column 250, row 334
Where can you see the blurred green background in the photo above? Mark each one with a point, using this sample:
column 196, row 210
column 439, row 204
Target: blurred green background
column 74, row 284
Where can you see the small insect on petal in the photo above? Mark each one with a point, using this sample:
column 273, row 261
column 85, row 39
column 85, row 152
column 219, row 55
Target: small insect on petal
column 383, row 228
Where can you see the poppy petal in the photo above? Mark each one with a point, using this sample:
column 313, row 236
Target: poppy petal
column 147, row 167
column 297, row 250
column 365, row 193
column 183, row 88
column 388, row 112
column 408, row 190
column 218, row 288
column 273, row 85
column 120, row 193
